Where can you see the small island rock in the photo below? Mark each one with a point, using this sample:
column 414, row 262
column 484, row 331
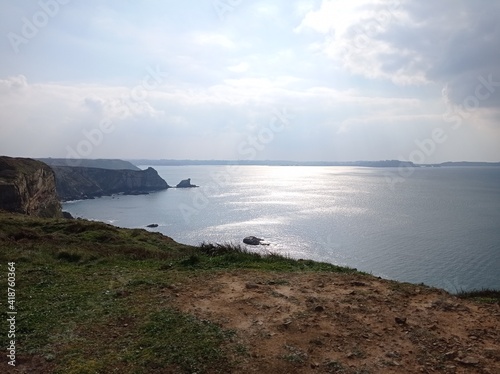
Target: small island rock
column 186, row 183
column 152, row 225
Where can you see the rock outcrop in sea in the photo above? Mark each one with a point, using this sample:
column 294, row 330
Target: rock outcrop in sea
column 28, row 186
column 186, row 183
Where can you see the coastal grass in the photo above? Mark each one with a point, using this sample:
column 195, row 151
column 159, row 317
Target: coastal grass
column 231, row 256
column 484, row 295
column 95, row 298
column 173, row 338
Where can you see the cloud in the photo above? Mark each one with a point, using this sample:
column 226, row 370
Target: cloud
column 334, row 16
column 450, row 45
column 363, row 78
column 237, row 108
column 239, row 68
column 120, row 108
column 411, row 42
column 17, row 83
column 214, row 40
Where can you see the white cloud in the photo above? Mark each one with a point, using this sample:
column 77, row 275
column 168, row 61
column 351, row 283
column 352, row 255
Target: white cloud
column 16, row 83
column 408, row 43
column 362, row 78
column 334, row 16
column 214, row 39
column 239, row 68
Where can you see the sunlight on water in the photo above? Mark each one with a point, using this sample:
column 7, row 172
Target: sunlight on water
column 440, row 227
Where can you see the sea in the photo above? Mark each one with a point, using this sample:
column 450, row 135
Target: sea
column 434, row 225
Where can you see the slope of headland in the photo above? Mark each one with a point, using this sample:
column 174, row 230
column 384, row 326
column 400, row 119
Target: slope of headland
column 94, row 298
column 32, row 187
column 74, row 183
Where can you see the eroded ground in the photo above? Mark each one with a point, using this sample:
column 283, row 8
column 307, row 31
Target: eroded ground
column 329, row 323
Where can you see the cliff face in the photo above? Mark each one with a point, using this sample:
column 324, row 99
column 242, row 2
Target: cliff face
column 75, row 183
column 28, row 186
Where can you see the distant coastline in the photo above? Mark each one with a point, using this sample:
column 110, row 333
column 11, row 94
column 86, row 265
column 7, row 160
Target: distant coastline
column 164, row 162
column 380, row 163
column 466, row 163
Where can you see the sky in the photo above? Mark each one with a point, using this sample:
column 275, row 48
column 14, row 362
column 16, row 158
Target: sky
column 305, row 80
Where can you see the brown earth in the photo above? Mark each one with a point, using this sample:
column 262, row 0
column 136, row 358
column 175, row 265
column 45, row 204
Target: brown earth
column 338, row 323
column 331, row 323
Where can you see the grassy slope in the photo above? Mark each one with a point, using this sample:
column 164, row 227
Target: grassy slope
column 89, row 297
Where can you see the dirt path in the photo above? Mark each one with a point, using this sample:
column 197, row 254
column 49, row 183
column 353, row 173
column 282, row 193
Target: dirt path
column 335, row 323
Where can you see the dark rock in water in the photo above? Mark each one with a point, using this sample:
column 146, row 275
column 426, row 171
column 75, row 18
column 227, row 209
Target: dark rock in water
column 252, row 240
column 67, row 215
column 137, row 193
column 186, row 183
column 152, row 225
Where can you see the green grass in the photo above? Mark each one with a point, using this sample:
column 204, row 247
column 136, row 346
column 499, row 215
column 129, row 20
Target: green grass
column 89, row 296
column 484, row 295
column 229, row 256
column 173, row 338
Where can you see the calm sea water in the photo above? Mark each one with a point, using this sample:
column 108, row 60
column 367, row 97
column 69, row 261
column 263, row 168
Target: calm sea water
column 440, row 226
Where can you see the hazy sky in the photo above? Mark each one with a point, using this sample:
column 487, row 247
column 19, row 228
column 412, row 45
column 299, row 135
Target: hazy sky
column 250, row 79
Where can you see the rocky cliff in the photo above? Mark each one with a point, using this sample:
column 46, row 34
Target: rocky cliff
column 75, row 183
column 28, row 186
column 186, row 183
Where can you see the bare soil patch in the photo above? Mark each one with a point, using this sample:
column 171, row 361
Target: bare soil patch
column 345, row 323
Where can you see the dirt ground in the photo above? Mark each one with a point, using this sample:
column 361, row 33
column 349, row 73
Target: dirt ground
column 338, row 323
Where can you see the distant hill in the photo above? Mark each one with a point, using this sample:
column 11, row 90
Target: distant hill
column 112, row 164
column 467, row 163
column 382, row 163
